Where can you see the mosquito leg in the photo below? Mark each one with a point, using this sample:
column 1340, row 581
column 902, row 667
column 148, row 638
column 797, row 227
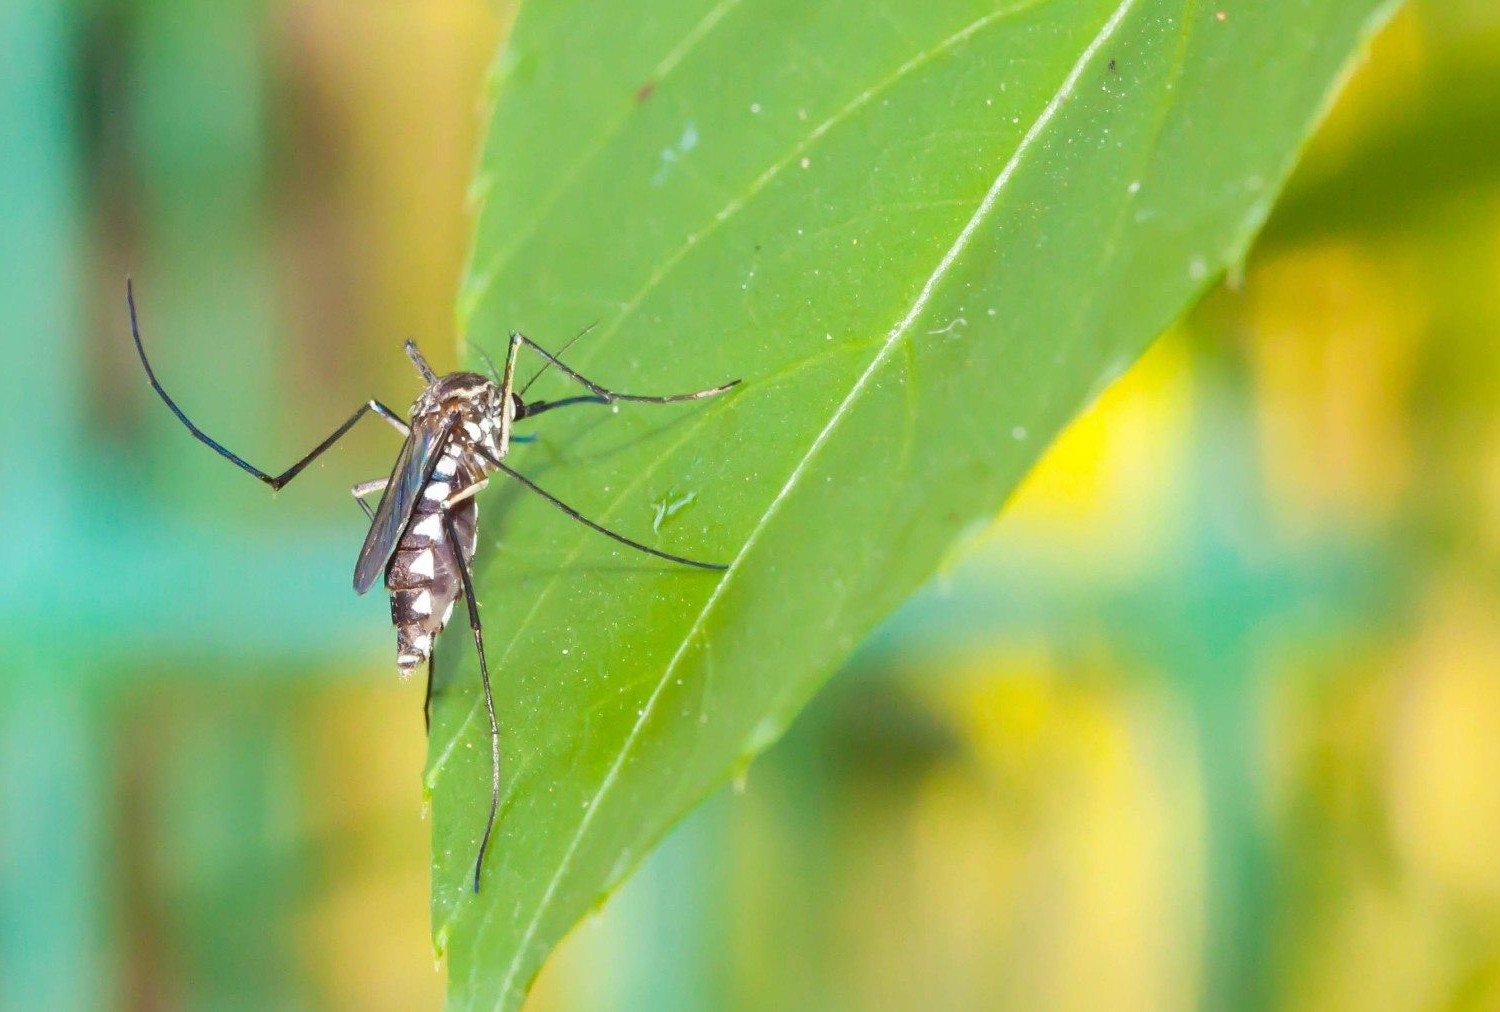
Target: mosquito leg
column 428, row 376
column 508, row 411
column 489, row 696
column 396, row 420
column 547, row 365
column 427, row 696
column 366, row 488
column 537, row 407
column 465, row 493
column 570, row 511
column 277, row 481
column 607, row 395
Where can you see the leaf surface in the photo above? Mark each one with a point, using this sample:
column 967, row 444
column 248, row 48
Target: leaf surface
column 924, row 235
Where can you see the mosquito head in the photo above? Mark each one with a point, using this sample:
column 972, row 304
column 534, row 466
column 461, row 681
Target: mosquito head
column 465, row 393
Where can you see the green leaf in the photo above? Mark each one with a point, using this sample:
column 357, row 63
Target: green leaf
column 924, row 235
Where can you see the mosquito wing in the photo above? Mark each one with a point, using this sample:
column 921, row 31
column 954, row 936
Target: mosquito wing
column 413, row 468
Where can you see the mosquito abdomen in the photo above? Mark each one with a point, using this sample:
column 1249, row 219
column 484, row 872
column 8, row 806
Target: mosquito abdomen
column 423, row 576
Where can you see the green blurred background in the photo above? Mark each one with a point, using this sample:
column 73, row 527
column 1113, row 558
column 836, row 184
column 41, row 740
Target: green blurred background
column 1211, row 718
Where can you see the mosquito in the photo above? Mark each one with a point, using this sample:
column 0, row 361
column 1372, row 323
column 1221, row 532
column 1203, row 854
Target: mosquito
column 424, row 532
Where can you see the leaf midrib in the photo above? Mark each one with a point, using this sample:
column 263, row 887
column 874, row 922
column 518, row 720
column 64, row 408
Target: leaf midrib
column 728, row 211
column 894, row 337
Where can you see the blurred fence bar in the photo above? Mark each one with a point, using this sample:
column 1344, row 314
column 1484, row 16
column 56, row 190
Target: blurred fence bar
column 53, row 910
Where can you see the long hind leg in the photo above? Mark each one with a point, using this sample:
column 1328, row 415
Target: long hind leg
column 427, row 696
column 598, row 394
column 489, row 696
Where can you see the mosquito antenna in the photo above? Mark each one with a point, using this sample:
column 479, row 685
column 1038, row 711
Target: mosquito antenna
column 548, row 364
column 490, row 363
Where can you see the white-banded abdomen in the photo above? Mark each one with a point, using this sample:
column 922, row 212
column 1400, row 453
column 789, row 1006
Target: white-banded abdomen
column 423, row 576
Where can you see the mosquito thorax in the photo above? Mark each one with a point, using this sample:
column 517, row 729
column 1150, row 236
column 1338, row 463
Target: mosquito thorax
column 475, row 399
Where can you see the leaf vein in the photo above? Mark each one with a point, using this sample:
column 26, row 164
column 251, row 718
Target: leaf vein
column 893, row 339
column 801, row 148
column 486, row 276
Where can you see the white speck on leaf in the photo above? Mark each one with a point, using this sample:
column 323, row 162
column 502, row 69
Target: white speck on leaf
column 953, row 324
column 670, row 156
column 669, row 505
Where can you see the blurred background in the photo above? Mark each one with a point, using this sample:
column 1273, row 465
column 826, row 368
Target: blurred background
column 1211, row 717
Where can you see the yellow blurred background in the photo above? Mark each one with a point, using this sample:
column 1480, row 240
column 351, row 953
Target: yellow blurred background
column 1210, row 718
